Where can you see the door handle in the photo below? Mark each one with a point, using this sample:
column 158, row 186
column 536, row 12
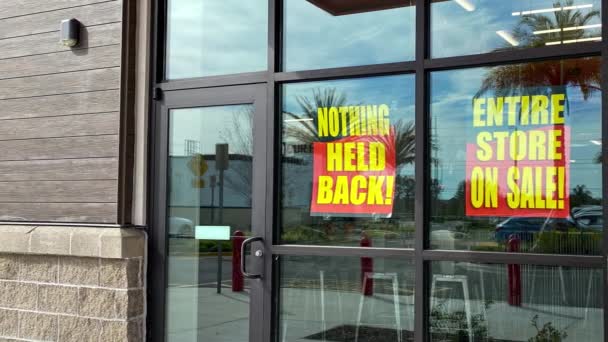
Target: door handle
column 244, row 257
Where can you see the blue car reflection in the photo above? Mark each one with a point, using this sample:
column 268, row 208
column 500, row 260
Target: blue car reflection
column 525, row 228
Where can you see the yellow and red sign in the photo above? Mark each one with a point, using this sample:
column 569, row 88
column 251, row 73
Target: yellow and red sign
column 518, row 160
column 353, row 162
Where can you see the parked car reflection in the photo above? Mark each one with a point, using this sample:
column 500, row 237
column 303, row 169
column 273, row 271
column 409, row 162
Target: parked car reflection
column 180, row 228
column 589, row 217
column 526, row 228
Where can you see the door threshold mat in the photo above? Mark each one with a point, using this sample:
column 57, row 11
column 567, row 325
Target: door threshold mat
column 346, row 333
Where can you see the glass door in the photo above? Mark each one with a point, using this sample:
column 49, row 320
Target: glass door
column 212, row 210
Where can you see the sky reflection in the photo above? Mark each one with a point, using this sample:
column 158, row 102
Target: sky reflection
column 466, row 27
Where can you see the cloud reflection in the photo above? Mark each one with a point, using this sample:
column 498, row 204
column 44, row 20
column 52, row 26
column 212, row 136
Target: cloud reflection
column 216, row 37
column 314, row 39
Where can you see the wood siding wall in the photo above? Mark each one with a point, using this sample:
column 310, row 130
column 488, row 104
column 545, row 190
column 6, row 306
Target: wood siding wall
column 60, row 112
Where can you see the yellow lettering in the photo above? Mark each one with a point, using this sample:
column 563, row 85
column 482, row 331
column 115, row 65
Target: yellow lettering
column 500, row 144
column 478, row 112
column 491, row 187
column 540, row 112
column 537, row 145
column 517, row 145
column 361, row 164
column 322, row 122
column 324, row 189
column 334, row 157
column 349, row 156
column 353, row 113
column 512, row 102
column 513, row 195
column 557, row 108
column 525, row 110
column 477, row 187
column 495, row 111
column 554, row 144
column 358, row 183
column 344, row 117
column 334, row 122
column 372, row 120
column 383, row 124
column 484, row 152
column 374, row 190
column 550, row 187
column 377, row 156
column 527, row 189
column 341, row 192
column 539, row 202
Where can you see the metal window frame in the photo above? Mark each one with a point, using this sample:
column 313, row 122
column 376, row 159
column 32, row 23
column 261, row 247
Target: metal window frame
column 422, row 66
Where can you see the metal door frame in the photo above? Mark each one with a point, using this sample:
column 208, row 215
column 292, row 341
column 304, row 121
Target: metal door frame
column 208, row 97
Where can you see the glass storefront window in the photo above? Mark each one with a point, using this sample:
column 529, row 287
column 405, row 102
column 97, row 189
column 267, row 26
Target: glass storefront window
column 216, row 37
column 348, row 162
column 516, row 158
column 327, row 34
column 466, row 27
column 514, row 166
column 346, row 299
column 491, row 302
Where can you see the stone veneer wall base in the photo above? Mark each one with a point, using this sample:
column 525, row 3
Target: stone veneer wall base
column 72, row 284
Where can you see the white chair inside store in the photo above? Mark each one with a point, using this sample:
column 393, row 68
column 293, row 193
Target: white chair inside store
column 578, row 276
column 480, row 293
column 395, row 285
column 589, row 297
column 322, row 300
column 562, row 282
column 464, row 283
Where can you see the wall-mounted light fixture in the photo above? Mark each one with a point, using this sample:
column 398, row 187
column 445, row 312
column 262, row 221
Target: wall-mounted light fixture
column 70, row 32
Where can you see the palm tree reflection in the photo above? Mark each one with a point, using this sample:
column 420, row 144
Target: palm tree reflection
column 537, row 30
column 561, row 26
column 305, row 128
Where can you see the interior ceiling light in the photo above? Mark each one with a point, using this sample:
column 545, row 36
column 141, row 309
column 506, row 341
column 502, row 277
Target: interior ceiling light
column 342, row 7
column 466, row 4
column 553, row 9
column 297, row 120
column 570, row 41
column 508, row 37
column 571, row 28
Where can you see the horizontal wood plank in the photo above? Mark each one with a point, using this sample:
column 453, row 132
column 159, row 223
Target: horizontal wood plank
column 71, row 82
column 23, row 7
column 60, row 148
column 64, row 169
column 96, row 191
column 81, row 103
column 60, row 126
column 58, row 62
column 97, row 14
column 36, row 44
column 59, row 116
column 59, row 212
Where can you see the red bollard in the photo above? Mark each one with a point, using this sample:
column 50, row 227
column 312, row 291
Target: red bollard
column 367, row 266
column 514, row 273
column 238, row 283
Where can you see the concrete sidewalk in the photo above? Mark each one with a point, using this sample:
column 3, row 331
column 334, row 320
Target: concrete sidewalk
column 224, row 317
